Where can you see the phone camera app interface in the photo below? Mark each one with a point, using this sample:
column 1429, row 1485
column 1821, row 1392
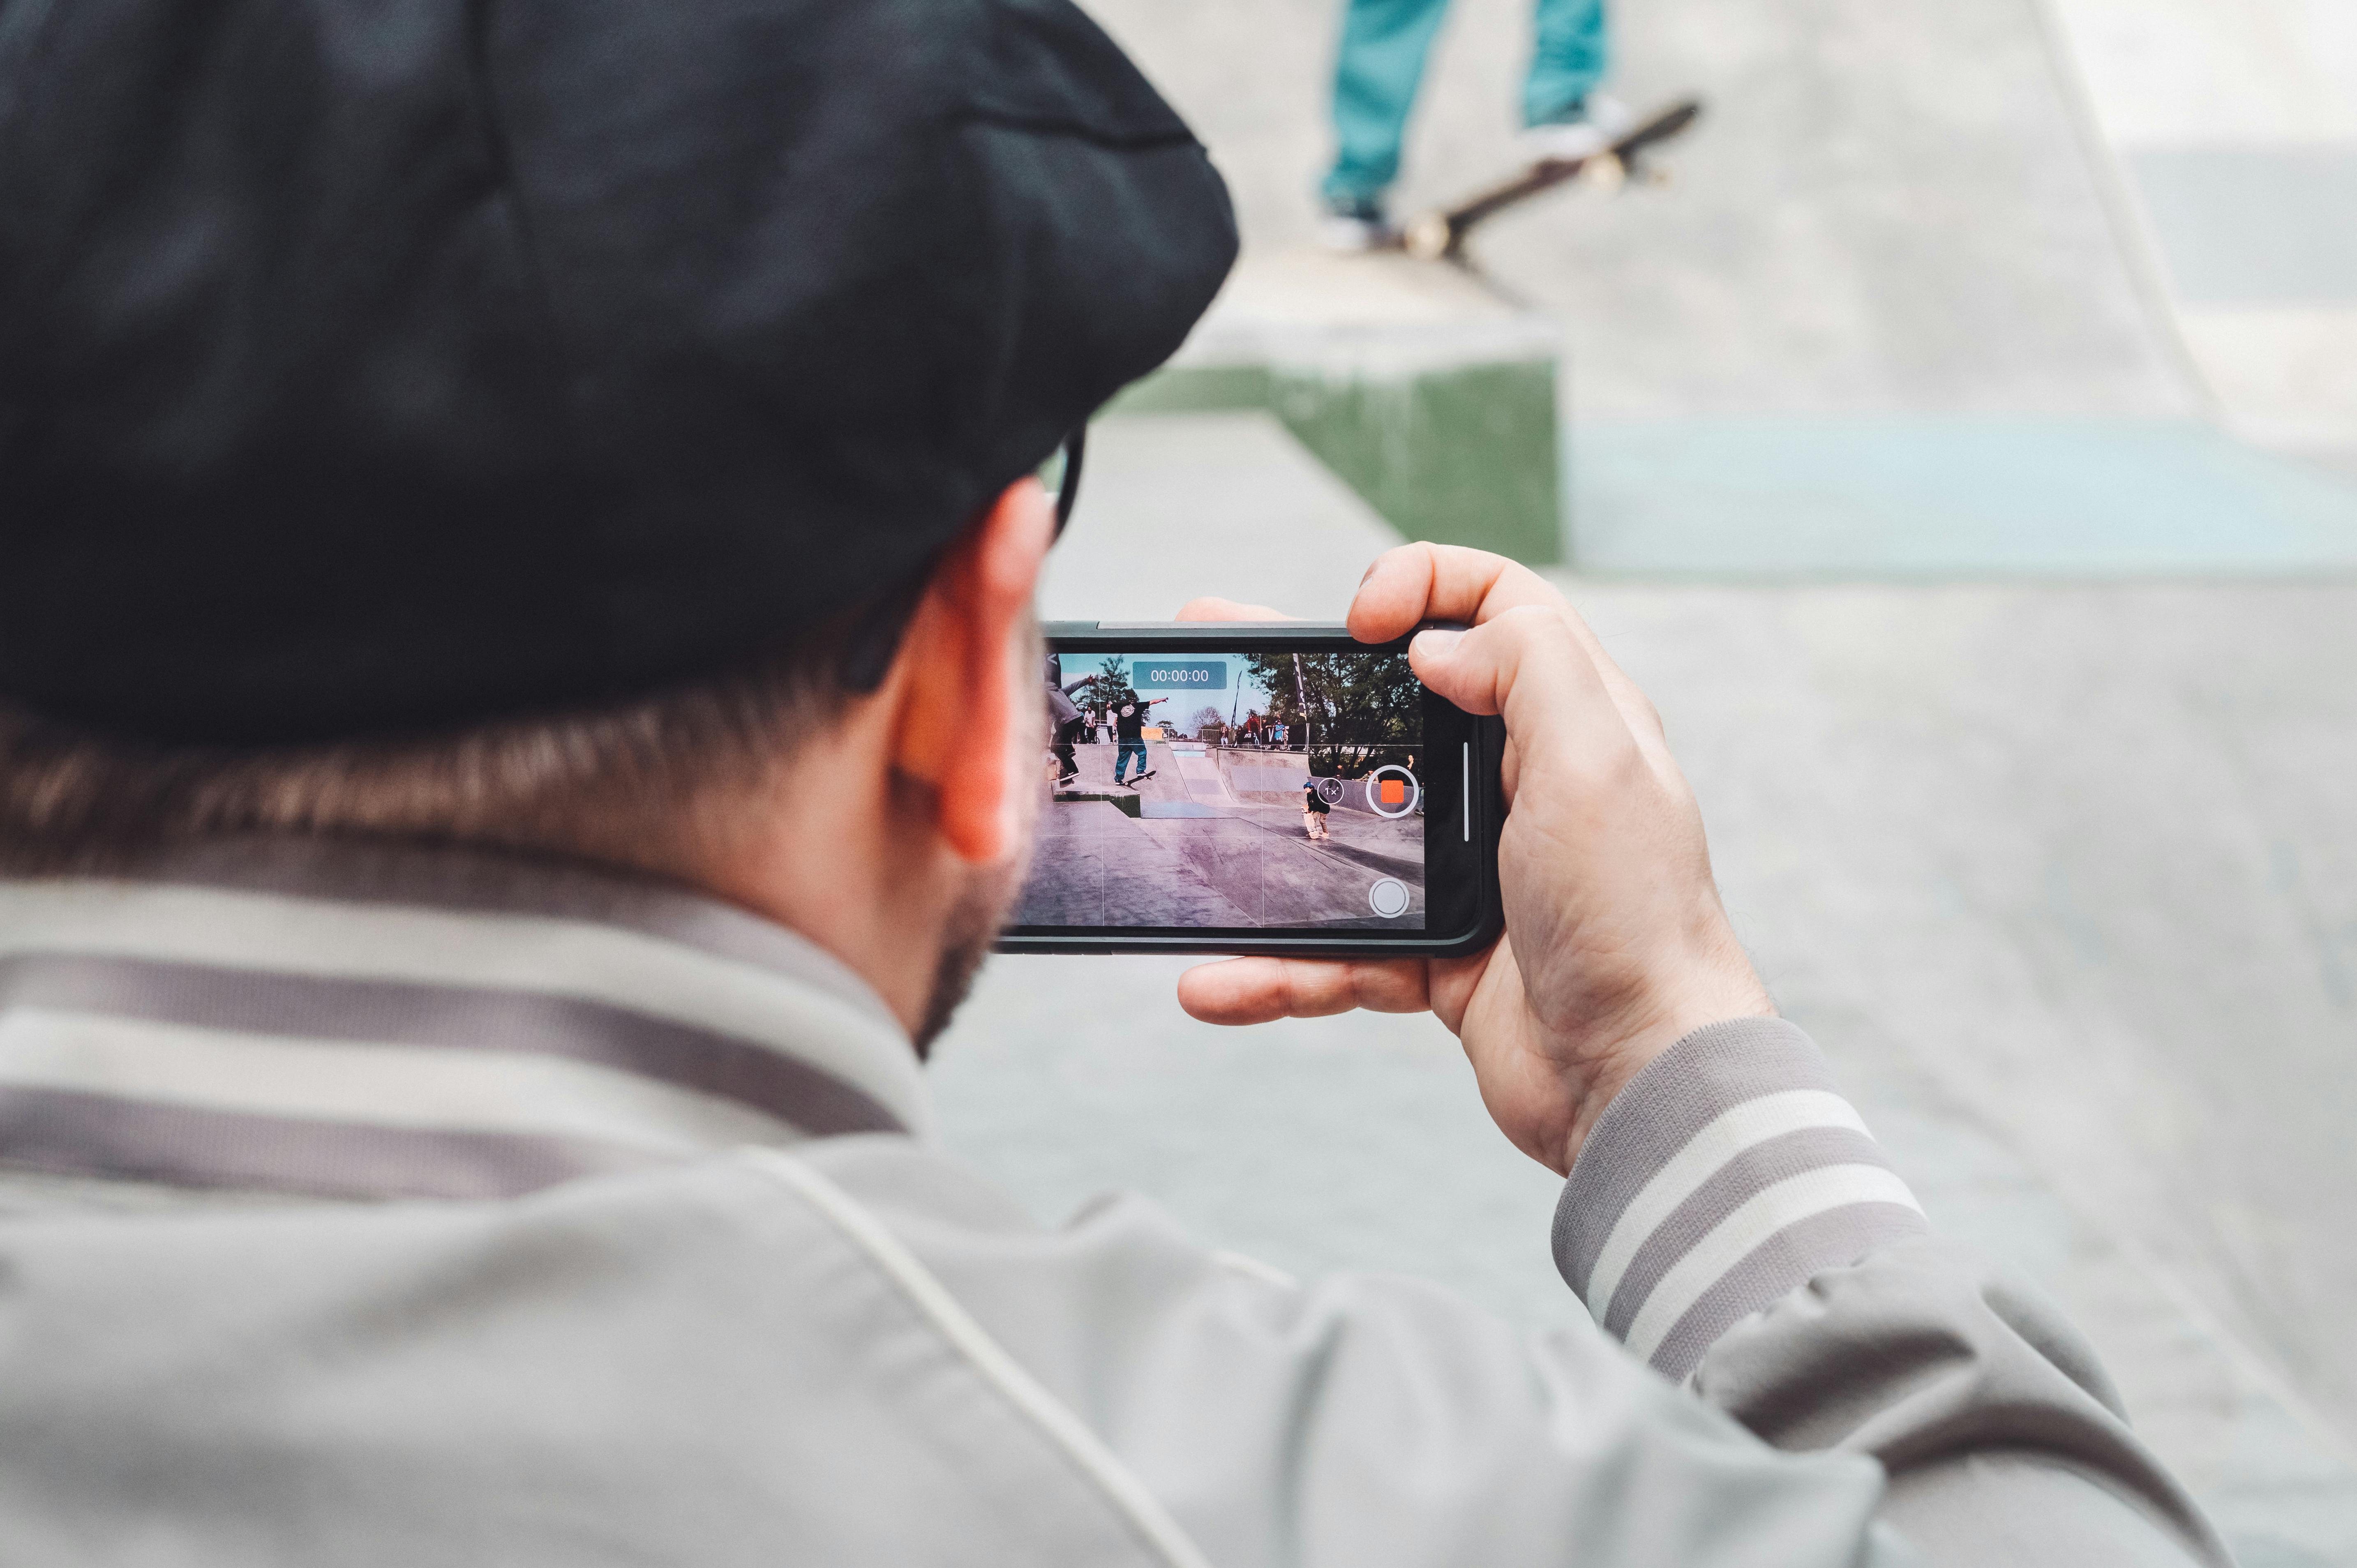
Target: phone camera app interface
column 1231, row 790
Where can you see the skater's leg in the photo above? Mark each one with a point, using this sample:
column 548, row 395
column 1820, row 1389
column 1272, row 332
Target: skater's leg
column 1376, row 70
column 1568, row 56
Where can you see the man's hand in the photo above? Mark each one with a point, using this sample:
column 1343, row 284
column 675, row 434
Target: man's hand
column 1616, row 945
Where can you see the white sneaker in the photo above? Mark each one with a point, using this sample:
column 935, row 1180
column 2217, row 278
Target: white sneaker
column 1602, row 121
column 1350, row 229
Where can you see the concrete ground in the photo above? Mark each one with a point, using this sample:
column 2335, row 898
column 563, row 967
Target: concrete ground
column 1198, row 853
column 2063, row 877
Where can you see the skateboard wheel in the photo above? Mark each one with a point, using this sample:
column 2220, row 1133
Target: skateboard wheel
column 1604, row 172
column 1426, row 238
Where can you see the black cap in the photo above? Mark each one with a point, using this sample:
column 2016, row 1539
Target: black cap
column 371, row 366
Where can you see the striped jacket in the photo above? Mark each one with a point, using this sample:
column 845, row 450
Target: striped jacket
column 379, row 1206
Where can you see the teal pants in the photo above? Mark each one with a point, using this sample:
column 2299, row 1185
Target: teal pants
column 1382, row 60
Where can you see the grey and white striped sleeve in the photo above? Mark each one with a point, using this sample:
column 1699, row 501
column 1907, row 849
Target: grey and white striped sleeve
column 1732, row 1222
column 1728, row 1172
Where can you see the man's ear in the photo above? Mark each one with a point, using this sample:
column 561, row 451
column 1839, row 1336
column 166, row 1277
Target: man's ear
column 970, row 719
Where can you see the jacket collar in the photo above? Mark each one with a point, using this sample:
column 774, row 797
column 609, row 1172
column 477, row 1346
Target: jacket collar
column 367, row 1020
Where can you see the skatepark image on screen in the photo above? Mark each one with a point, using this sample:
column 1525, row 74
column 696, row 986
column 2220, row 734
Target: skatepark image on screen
column 1217, row 831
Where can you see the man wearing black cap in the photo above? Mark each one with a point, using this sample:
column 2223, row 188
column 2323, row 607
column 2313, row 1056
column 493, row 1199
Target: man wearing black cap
column 1131, row 713
column 519, row 706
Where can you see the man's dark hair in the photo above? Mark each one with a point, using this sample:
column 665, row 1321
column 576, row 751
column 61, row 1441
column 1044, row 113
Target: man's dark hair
column 630, row 783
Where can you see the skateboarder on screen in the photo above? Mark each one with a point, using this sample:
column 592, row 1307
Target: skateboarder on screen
column 1314, row 812
column 1128, row 727
column 1377, row 69
column 1066, row 723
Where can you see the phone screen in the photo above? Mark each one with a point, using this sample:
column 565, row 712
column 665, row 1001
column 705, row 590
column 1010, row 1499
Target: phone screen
column 1238, row 789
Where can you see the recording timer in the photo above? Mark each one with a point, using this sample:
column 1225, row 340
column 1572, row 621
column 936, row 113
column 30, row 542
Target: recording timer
column 1181, row 674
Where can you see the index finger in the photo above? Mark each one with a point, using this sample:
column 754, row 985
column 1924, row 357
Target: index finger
column 1259, row 990
column 1424, row 582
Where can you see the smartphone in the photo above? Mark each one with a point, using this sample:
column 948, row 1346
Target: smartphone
column 1257, row 788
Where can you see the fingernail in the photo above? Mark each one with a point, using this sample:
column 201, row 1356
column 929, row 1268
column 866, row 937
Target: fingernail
column 1432, row 644
column 1370, row 571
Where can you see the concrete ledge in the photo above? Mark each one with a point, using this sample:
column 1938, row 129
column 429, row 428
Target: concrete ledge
column 1424, row 391
column 1125, row 801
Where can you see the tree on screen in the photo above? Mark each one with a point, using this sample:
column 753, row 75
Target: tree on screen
column 1110, row 676
column 1363, row 709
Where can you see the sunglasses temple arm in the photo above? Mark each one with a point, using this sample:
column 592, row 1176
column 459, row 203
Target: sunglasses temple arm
column 1068, row 490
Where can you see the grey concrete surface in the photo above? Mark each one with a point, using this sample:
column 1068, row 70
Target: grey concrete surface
column 1430, row 393
column 1886, row 208
column 2254, row 225
column 1176, row 506
column 2064, row 879
column 2089, row 858
column 2339, row 460
column 1094, row 866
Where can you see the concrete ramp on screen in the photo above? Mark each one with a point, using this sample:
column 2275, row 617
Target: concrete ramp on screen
column 1096, row 866
column 1188, row 847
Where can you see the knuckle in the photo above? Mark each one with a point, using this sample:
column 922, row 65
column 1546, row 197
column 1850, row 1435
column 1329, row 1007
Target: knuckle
column 1535, row 629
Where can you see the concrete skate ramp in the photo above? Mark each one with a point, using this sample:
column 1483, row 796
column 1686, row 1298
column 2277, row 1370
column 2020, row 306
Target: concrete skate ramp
column 1095, row 866
column 1891, row 320
column 1883, row 209
column 1261, row 860
column 1186, row 504
column 1199, row 854
column 1197, row 768
column 1272, row 777
column 1276, row 778
column 1185, row 773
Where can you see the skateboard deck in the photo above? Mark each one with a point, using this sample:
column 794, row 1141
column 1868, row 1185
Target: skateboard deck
column 1440, row 235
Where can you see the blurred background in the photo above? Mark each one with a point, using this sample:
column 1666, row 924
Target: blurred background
column 1961, row 447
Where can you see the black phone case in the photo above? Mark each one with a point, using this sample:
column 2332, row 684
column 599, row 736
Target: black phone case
column 1489, row 736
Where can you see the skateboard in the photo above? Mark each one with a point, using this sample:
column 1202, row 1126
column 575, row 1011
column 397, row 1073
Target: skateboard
column 1439, row 236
